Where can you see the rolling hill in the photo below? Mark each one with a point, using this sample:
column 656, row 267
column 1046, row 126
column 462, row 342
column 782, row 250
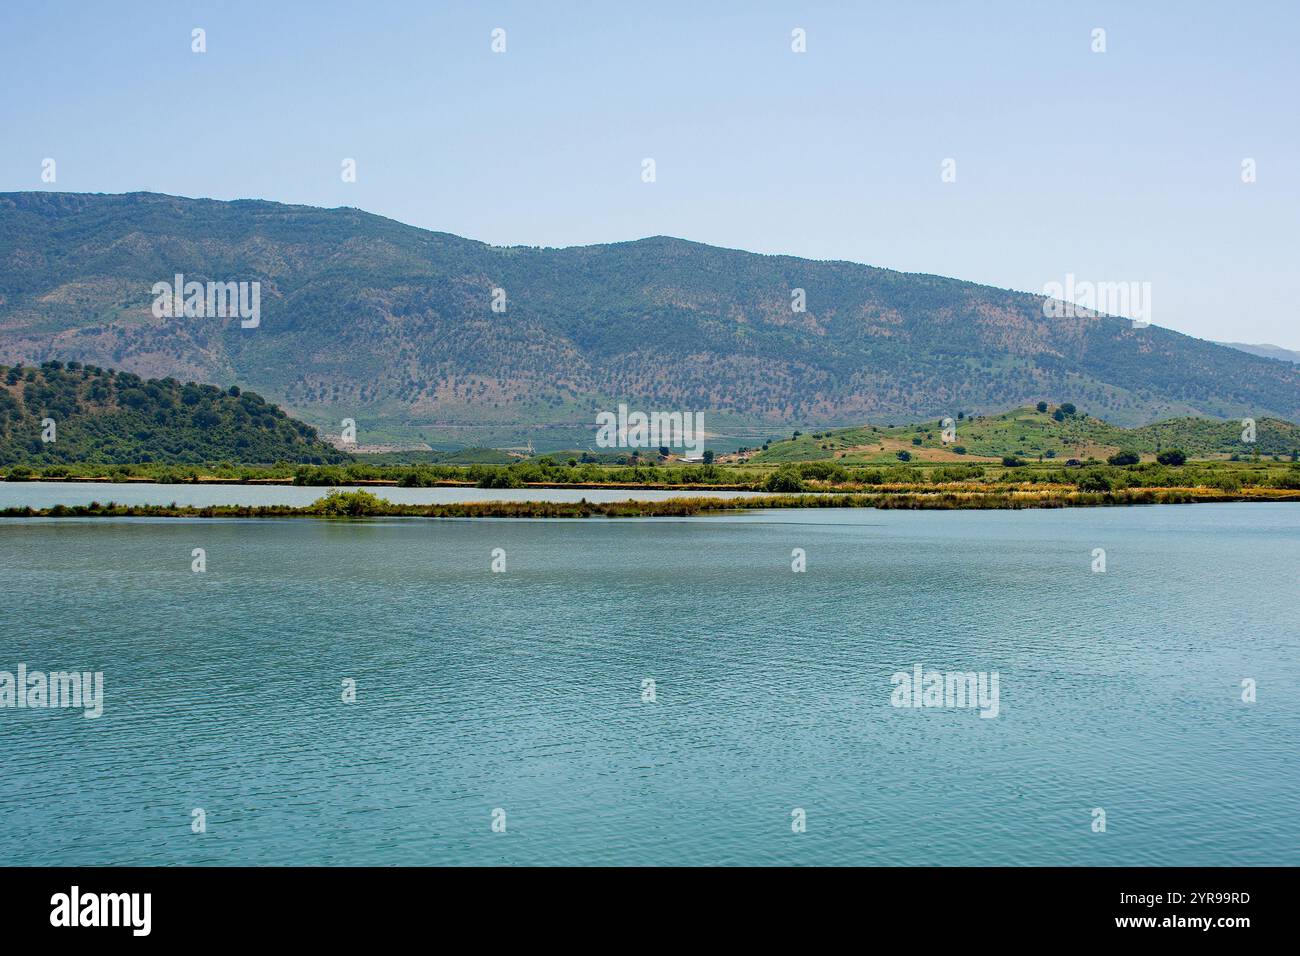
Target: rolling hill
column 1029, row 434
column 109, row 417
column 393, row 326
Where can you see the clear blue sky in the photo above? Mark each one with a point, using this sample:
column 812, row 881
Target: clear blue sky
column 1124, row 165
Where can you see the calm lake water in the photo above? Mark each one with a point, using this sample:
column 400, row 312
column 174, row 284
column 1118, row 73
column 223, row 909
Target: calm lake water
column 523, row 690
column 46, row 494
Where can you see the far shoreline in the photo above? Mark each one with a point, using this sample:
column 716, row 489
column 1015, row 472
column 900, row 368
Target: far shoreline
column 371, row 482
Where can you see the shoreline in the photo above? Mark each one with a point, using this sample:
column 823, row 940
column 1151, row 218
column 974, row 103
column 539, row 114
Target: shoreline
column 365, row 505
column 377, row 483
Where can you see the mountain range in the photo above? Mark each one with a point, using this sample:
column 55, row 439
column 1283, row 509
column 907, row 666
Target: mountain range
column 394, row 326
column 1268, row 351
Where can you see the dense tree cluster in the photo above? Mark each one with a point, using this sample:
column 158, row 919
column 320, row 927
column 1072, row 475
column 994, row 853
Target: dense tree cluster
column 92, row 414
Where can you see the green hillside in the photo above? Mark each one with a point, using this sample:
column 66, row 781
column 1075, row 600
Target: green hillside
column 103, row 416
column 463, row 456
column 1212, row 437
column 1058, row 432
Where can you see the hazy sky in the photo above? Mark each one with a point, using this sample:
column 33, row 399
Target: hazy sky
column 1114, row 166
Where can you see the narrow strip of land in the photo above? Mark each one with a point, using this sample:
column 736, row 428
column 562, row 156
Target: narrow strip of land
column 363, row 504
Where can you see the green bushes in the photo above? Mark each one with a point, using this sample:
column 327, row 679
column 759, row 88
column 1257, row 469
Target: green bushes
column 1289, row 479
column 957, row 473
column 823, row 471
column 502, row 478
column 348, row 504
column 786, row 480
column 1092, row 480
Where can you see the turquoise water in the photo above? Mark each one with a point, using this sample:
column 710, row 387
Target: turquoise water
column 522, row 690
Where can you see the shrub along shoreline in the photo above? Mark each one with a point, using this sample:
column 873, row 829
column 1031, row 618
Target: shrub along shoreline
column 787, row 478
column 363, row 504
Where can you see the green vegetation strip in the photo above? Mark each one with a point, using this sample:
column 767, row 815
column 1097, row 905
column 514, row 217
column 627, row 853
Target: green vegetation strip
column 363, row 504
column 788, row 478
